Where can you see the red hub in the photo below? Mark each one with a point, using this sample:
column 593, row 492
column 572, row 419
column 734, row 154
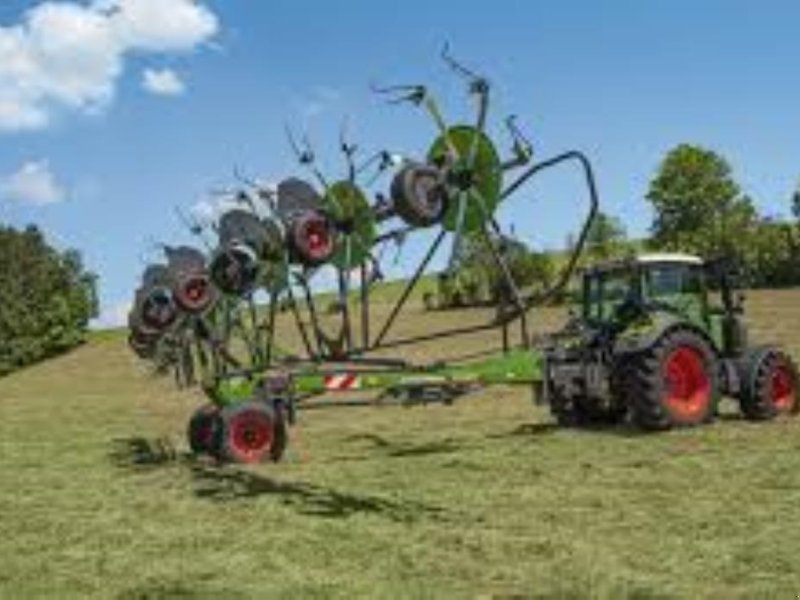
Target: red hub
column 251, row 436
column 316, row 242
column 783, row 394
column 195, row 293
column 688, row 385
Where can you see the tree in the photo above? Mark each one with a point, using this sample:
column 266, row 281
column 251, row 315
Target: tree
column 46, row 298
column 606, row 237
column 699, row 207
column 796, row 205
column 477, row 279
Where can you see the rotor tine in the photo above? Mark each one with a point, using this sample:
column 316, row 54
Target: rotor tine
column 477, row 83
column 414, row 93
column 347, row 149
column 237, row 173
column 302, row 158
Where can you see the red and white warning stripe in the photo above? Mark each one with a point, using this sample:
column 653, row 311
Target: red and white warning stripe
column 342, row 381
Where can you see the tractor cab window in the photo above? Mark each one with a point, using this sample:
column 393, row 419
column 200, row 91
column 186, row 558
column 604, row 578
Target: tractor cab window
column 608, row 290
column 668, row 281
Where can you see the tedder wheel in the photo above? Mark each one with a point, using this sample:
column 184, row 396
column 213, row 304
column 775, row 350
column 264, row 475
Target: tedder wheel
column 673, row 383
column 194, row 293
column 418, row 195
column 769, row 384
column 312, row 238
column 203, row 430
column 252, row 432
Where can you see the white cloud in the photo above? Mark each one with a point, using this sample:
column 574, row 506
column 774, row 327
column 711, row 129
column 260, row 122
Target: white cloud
column 69, row 55
column 163, row 82
column 112, row 316
column 33, row 183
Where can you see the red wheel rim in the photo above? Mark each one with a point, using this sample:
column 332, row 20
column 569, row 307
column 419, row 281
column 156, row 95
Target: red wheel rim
column 195, row 293
column 251, row 436
column 688, row 386
column 318, row 240
column 783, row 394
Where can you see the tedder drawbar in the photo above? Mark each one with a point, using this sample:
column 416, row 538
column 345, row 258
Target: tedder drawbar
column 650, row 345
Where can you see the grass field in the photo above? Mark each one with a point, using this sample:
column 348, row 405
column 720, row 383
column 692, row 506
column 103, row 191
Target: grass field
column 99, row 498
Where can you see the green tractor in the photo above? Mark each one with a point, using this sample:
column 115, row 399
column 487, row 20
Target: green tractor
column 660, row 338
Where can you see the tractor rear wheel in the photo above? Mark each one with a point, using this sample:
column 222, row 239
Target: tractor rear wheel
column 203, row 430
column 769, row 384
column 674, row 383
column 252, row 432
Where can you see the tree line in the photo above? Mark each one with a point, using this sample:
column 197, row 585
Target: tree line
column 47, row 298
column 698, row 208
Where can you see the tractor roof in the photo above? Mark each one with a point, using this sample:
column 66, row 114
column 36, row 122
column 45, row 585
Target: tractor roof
column 646, row 259
column 669, row 257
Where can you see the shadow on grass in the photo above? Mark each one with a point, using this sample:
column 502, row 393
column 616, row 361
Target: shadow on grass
column 539, row 429
column 404, row 450
column 223, row 483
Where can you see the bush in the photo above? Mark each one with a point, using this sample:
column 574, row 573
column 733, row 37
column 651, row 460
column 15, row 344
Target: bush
column 46, row 299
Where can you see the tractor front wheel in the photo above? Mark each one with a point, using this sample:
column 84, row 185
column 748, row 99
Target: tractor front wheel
column 769, row 384
column 673, row 383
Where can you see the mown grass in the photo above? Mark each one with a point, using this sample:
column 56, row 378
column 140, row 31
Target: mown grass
column 99, row 498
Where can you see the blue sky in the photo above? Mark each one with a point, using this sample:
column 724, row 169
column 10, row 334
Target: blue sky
column 621, row 80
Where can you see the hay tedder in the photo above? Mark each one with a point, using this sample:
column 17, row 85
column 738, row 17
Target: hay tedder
column 648, row 345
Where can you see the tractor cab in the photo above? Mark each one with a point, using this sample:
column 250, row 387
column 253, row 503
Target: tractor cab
column 672, row 281
column 618, row 293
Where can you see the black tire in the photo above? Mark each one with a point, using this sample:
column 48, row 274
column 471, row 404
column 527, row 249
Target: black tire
column 673, row 383
column 281, row 433
column 313, row 238
column 769, row 384
column 158, row 310
column 251, row 432
column 202, row 432
column 418, row 195
column 235, row 269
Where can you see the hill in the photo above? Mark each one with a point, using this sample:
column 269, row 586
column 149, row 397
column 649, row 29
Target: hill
column 99, row 498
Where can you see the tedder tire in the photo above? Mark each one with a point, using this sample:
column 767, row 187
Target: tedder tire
column 418, row 195
column 251, row 432
column 203, row 428
column 769, row 384
column 674, row 383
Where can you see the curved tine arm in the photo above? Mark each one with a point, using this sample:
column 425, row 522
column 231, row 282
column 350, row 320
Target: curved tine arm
column 243, row 197
column 594, row 206
column 478, row 84
column 349, row 150
column 304, row 156
column 244, row 179
column 268, row 197
column 521, row 147
column 193, row 226
column 414, row 93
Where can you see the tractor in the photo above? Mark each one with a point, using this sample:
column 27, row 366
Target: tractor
column 657, row 341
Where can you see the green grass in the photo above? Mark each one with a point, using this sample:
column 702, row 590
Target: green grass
column 98, row 497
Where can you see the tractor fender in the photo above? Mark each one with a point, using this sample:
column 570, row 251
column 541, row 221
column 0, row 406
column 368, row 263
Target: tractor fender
column 639, row 340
